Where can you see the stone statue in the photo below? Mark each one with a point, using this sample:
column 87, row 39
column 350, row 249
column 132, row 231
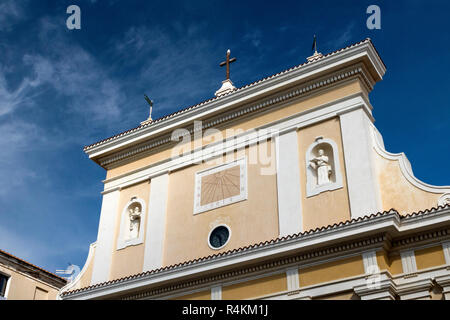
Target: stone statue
column 135, row 221
column 320, row 164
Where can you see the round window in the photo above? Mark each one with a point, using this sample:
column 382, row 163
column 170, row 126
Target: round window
column 219, row 237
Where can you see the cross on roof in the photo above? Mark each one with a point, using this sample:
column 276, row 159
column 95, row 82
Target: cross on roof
column 227, row 63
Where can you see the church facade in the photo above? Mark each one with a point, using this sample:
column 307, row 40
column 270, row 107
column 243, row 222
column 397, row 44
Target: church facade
column 281, row 189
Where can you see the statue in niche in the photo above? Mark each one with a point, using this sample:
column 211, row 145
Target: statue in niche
column 135, row 221
column 323, row 169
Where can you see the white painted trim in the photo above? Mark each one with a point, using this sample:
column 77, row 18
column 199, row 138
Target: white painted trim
column 408, row 261
column 383, row 291
column 72, row 285
column 263, row 88
column 312, row 188
column 382, row 223
column 388, row 285
column 156, row 223
column 370, row 262
column 292, row 278
column 105, row 238
column 362, row 183
column 121, row 241
column 444, row 282
column 216, row 149
column 216, row 293
column 405, row 165
column 288, row 184
column 446, row 249
column 417, row 290
column 243, row 195
column 444, row 200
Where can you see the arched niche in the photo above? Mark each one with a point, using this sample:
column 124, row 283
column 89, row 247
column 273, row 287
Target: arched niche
column 132, row 223
column 323, row 169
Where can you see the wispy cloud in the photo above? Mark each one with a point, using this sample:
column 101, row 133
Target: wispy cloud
column 10, row 13
column 343, row 37
column 170, row 68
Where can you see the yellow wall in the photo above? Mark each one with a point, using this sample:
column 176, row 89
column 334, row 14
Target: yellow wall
column 250, row 122
column 24, row 287
column 330, row 271
column 250, row 221
column 255, row 288
column 397, row 192
column 129, row 260
column 429, row 257
column 328, row 207
column 393, row 264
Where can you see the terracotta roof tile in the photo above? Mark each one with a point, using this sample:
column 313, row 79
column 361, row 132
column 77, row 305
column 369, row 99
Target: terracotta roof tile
column 32, row 265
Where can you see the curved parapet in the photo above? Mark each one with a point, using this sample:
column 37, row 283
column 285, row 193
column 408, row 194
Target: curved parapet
column 399, row 188
column 84, row 277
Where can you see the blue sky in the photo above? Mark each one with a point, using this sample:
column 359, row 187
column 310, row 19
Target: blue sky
column 62, row 89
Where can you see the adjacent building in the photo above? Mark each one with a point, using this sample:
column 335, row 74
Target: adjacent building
column 21, row 280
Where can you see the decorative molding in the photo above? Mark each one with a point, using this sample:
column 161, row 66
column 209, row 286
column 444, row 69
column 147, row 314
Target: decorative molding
column 240, row 141
column 327, row 235
column 416, row 290
column 307, row 259
column 307, row 88
column 424, row 239
column 385, row 290
column 291, row 76
column 121, row 241
column 444, row 282
column 312, row 188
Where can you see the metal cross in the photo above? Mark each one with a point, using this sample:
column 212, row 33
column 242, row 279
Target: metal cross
column 227, row 63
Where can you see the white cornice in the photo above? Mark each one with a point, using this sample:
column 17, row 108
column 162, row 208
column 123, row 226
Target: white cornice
column 265, row 87
column 294, row 122
column 388, row 222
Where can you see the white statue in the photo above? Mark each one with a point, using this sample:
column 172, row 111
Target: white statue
column 135, row 221
column 320, row 164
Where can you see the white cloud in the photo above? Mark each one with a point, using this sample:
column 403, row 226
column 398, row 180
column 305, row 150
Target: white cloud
column 10, row 13
column 18, row 140
column 173, row 66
